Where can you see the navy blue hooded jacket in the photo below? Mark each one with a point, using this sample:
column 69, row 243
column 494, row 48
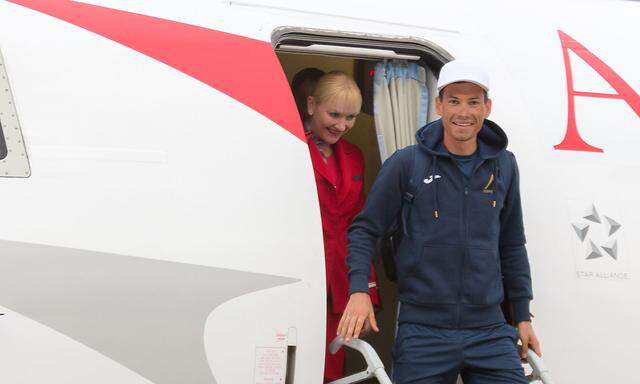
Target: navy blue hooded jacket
column 464, row 241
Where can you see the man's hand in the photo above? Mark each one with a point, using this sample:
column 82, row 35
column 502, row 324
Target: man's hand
column 528, row 339
column 358, row 314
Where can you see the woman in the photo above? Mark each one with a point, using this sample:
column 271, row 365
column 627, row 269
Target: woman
column 338, row 165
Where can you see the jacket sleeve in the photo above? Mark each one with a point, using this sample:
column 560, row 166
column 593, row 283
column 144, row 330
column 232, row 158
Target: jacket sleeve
column 379, row 213
column 513, row 253
column 373, row 290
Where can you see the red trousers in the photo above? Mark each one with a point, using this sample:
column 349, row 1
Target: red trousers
column 333, row 364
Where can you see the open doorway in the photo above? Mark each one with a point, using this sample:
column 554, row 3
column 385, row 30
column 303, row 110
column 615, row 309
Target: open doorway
column 362, row 58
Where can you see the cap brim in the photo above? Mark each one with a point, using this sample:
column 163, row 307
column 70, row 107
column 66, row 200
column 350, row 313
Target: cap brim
column 463, row 81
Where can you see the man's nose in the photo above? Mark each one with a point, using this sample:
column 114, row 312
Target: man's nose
column 464, row 111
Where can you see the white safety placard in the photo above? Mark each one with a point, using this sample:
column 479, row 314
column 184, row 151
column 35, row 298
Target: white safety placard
column 270, row 365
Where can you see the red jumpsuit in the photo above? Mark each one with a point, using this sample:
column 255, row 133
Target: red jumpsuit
column 339, row 182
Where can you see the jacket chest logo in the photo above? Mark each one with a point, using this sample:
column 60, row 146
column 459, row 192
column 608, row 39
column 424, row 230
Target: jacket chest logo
column 429, row 179
column 488, row 188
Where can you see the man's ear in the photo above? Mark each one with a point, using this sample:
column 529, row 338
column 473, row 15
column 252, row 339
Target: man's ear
column 311, row 105
column 439, row 105
column 487, row 104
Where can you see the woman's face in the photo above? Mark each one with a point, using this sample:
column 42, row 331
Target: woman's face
column 331, row 119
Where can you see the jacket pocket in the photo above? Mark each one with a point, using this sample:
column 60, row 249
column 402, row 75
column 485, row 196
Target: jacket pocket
column 434, row 278
column 482, row 280
column 484, row 216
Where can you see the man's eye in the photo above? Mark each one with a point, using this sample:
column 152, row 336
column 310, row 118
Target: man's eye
column 334, row 115
column 453, row 101
column 351, row 117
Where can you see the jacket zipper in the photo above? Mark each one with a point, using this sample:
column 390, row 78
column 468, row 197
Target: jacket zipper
column 466, row 252
column 467, row 185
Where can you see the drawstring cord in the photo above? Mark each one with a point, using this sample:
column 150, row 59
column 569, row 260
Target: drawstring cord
column 405, row 213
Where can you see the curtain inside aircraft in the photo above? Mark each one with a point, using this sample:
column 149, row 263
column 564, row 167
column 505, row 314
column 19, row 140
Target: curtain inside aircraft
column 400, row 103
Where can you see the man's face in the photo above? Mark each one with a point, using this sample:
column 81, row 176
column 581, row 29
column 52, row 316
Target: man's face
column 331, row 119
column 463, row 110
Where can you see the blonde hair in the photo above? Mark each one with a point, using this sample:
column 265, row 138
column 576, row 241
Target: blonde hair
column 337, row 84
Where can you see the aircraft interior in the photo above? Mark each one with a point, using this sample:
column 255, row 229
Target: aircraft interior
column 364, row 59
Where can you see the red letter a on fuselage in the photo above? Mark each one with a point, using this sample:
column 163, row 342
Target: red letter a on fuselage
column 572, row 140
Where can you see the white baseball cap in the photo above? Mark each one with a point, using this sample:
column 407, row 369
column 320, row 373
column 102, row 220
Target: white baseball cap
column 463, row 71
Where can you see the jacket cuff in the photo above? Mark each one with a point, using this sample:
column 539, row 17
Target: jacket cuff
column 358, row 283
column 521, row 311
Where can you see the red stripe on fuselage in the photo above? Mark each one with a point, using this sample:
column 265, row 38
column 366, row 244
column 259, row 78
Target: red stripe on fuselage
column 247, row 70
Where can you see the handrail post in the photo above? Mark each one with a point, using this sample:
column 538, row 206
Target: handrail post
column 375, row 368
column 540, row 372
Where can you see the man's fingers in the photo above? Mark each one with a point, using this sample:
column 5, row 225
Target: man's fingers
column 358, row 328
column 345, row 327
column 350, row 328
column 525, row 347
column 341, row 326
column 355, row 315
column 372, row 321
column 535, row 345
column 339, row 329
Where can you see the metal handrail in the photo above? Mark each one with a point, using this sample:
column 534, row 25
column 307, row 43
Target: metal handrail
column 540, row 372
column 375, row 368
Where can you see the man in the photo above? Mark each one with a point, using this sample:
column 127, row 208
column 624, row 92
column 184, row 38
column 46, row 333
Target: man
column 463, row 242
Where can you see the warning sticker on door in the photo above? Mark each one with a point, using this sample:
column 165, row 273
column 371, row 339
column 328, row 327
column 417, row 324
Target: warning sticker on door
column 271, row 365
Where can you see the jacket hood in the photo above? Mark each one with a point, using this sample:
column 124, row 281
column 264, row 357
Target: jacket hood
column 491, row 139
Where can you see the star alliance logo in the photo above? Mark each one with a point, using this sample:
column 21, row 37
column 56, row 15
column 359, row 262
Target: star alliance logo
column 598, row 240
column 608, row 225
